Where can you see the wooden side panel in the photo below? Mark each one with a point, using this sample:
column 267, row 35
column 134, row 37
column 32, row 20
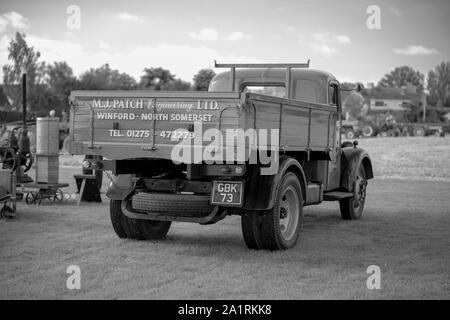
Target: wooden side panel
column 319, row 129
column 302, row 125
column 99, row 126
column 294, row 126
column 151, row 124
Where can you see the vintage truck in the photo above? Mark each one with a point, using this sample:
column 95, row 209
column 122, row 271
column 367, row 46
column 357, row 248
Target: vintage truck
column 136, row 133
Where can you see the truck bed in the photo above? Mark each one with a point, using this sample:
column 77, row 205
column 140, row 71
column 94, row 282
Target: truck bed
column 142, row 124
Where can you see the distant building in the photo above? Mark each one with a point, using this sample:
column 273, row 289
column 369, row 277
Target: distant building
column 381, row 100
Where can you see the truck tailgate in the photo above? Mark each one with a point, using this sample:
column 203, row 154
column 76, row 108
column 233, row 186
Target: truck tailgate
column 133, row 124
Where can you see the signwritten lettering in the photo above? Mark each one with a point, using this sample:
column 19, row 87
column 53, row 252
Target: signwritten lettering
column 142, row 110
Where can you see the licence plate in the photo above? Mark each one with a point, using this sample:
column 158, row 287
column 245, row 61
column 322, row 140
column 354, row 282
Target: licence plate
column 227, row 193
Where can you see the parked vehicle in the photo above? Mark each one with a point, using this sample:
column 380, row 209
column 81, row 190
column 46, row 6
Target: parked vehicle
column 136, row 133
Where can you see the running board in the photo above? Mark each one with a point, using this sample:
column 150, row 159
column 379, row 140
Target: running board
column 336, row 195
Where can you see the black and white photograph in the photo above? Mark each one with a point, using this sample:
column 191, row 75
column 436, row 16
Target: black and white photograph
column 224, row 155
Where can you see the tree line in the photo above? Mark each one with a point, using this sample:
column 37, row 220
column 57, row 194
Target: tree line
column 49, row 85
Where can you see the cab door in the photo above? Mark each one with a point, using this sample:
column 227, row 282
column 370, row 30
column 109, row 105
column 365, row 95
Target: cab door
column 335, row 134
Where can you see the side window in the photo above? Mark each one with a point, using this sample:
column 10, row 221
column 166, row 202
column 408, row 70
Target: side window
column 333, row 94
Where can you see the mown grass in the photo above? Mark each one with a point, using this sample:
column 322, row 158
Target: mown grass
column 410, row 158
column 404, row 231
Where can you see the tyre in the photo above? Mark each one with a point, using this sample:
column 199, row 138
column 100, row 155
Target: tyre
column 350, row 134
column 352, row 208
column 367, row 131
column 136, row 228
column 346, row 144
column 251, row 229
column 419, row 132
column 280, row 226
column 173, row 203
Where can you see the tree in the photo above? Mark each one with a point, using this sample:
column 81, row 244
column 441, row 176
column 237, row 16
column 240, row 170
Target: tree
column 156, row 79
column 179, row 85
column 348, row 87
column 353, row 104
column 61, row 82
column 24, row 59
column 162, row 79
column 105, row 78
column 403, row 77
column 202, row 79
column 438, row 85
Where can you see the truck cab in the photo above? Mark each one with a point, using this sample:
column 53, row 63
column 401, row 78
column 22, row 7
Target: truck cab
column 289, row 118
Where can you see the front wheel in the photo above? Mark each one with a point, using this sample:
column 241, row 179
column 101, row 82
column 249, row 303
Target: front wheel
column 135, row 228
column 352, row 208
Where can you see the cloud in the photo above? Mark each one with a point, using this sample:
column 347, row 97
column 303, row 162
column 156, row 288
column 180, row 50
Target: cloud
column 131, row 59
column 237, row 35
column 205, row 34
column 104, row 45
column 324, row 43
column 14, row 20
column 125, row 16
column 415, row 51
column 209, row 34
column 322, row 48
column 331, row 38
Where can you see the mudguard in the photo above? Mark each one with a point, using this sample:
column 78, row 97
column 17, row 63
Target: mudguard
column 260, row 189
column 351, row 159
column 121, row 186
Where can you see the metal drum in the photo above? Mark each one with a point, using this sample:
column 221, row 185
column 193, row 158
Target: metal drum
column 47, row 150
column 47, row 136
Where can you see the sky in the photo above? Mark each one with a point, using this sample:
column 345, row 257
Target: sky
column 347, row 38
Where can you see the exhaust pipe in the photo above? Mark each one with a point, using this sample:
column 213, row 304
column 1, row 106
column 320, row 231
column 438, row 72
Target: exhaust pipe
column 24, row 142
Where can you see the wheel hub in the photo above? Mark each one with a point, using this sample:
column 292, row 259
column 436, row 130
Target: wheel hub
column 360, row 191
column 289, row 213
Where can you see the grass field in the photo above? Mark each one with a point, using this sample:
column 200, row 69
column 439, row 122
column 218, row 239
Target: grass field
column 404, row 230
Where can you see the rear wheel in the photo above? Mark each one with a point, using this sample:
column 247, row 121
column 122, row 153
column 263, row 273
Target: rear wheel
column 350, row 134
column 419, row 132
column 352, row 208
column 280, row 226
column 135, row 228
column 251, row 229
column 367, row 130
